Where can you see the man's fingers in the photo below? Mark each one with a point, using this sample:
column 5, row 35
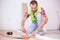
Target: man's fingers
column 23, row 30
column 31, row 36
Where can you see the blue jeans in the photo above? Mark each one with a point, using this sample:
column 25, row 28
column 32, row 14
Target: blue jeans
column 30, row 27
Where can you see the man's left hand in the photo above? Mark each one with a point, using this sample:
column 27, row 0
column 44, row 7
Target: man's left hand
column 33, row 33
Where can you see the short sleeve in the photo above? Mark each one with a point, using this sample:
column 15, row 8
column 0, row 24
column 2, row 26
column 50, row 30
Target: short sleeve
column 26, row 15
column 43, row 12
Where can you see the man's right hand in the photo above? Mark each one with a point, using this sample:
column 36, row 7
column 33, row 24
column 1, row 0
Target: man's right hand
column 23, row 30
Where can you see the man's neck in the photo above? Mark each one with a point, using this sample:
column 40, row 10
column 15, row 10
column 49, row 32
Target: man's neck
column 34, row 12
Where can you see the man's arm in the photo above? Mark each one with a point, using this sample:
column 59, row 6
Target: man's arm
column 23, row 21
column 42, row 23
column 22, row 24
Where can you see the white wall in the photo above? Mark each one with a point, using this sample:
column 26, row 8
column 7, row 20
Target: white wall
column 11, row 13
column 0, row 13
column 51, row 7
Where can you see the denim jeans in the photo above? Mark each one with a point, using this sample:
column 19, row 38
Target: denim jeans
column 30, row 27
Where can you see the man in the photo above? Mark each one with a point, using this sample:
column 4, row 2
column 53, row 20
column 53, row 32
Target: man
column 34, row 19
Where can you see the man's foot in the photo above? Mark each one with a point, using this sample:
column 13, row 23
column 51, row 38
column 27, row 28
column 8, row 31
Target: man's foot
column 41, row 33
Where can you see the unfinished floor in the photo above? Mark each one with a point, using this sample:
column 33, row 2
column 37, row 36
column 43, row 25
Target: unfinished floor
column 49, row 35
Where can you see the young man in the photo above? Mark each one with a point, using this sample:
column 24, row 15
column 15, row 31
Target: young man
column 34, row 19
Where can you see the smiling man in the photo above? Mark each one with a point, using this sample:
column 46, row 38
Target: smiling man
column 34, row 19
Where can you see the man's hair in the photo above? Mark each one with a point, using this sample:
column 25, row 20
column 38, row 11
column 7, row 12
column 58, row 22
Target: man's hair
column 34, row 2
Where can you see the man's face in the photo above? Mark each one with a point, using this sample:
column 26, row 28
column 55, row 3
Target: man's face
column 33, row 7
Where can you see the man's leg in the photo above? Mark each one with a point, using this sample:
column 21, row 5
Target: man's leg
column 29, row 26
column 39, row 19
